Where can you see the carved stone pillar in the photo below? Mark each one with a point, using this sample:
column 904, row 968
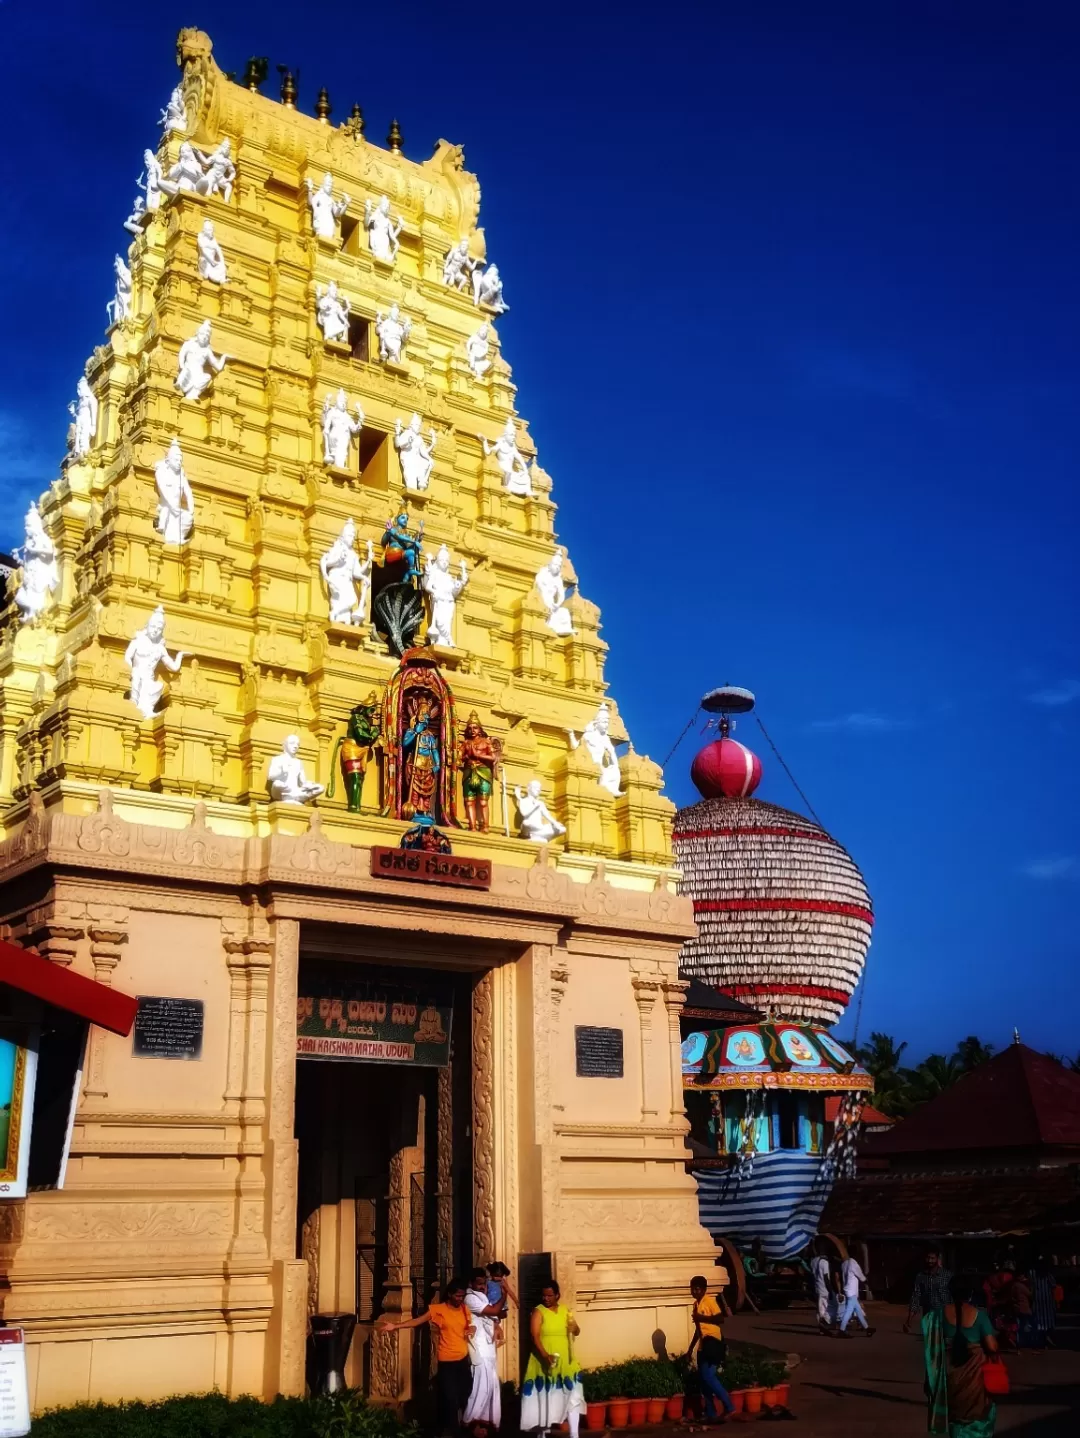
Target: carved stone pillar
column 674, row 991
column 108, row 935
column 646, row 992
column 444, row 1168
column 391, row 1353
column 249, row 947
column 483, row 1119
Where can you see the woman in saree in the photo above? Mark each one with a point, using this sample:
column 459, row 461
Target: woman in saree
column 551, row 1392
column 956, row 1340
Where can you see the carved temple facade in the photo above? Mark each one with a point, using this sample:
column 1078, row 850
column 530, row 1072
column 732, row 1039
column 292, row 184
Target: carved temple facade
column 212, row 1205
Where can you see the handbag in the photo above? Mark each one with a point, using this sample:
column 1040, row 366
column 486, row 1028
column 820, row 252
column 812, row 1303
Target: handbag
column 995, row 1377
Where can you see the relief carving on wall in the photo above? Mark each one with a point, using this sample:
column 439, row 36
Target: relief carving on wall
column 483, row 1068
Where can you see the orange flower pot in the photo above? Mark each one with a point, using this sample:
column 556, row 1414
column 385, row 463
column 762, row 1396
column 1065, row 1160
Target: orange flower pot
column 753, row 1400
column 638, row 1408
column 673, row 1409
column 595, row 1415
column 618, row 1412
column 738, row 1399
column 654, row 1413
column 777, row 1396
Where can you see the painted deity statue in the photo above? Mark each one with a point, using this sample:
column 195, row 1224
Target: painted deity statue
column 176, row 503
column 174, row 116
column 416, row 457
column 119, row 307
column 382, row 231
column 342, row 570
column 552, row 591
column 488, row 290
column 219, row 172
column 515, row 470
column 332, row 313
column 399, row 544
column 152, row 181
column 325, row 210
column 356, row 747
column 198, row 363
column 211, row 259
column 339, row 429
column 477, row 350
column 285, row 777
column 597, row 741
column 535, row 819
column 442, row 590
column 422, row 759
column 84, row 411
column 40, row 575
column 393, row 332
column 143, row 655
column 186, row 173
column 480, row 759
column 458, row 266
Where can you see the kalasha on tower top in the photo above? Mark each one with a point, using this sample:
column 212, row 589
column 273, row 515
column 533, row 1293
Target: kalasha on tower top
column 783, row 913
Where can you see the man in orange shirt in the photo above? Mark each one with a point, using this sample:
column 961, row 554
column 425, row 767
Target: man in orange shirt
column 453, row 1327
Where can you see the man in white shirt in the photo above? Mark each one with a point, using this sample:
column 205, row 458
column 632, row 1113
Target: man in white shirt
column 851, row 1275
column 823, row 1290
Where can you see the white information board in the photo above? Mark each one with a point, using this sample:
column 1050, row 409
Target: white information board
column 14, row 1394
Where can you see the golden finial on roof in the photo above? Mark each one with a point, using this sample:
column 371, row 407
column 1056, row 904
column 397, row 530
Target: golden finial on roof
column 354, row 125
column 394, row 139
column 289, row 90
column 322, row 107
column 255, row 72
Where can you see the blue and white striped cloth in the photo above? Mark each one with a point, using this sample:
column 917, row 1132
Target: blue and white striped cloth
column 779, row 1201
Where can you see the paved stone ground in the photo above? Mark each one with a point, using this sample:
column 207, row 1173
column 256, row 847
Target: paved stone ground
column 872, row 1388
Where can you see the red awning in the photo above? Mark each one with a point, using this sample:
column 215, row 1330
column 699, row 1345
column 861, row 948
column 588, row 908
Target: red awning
column 56, row 985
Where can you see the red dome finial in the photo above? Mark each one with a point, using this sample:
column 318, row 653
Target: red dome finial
column 726, row 769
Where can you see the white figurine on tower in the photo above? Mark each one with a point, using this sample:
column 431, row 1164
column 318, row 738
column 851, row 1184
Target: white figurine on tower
column 145, row 652
column 40, row 575
column 325, row 210
column 458, row 266
column 152, row 181
column 382, row 231
column 185, row 174
column 536, row 821
column 176, row 507
column 477, row 349
column 84, row 411
column 442, row 589
column 332, row 312
column 219, row 172
column 138, row 217
column 338, row 429
column 174, row 115
column 597, row 741
column 488, row 290
column 393, row 332
column 552, row 590
column 211, row 259
column 197, row 363
column 417, row 460
column 515, row 470
column 342, row 568
column 285, row 777
column 119, row 307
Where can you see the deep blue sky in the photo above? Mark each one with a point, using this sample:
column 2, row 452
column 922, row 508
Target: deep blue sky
column 794, row 320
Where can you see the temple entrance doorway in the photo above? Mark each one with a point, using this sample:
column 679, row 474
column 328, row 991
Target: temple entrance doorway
column 384, row 1124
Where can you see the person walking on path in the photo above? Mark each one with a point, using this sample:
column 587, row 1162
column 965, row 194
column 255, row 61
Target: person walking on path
column 824, row 1292
column 453, row 1377
column 551, row 1392
column 709, row 1340
column 930, row 1292
column 851, row 1275
column 485, row 1402
column 956, row 1340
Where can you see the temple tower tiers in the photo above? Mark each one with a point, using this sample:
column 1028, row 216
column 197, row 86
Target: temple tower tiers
column 242, row 594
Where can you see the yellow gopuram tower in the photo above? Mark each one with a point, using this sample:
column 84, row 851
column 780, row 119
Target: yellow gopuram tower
column 212, row 1206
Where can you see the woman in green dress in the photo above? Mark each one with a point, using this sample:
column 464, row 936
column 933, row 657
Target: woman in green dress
column 956, row 1341
column 551, row 1392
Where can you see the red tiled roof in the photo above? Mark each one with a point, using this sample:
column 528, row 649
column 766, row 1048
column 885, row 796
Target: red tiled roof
column 870, row 1114
column 940, row 1205
column 1017, row 1099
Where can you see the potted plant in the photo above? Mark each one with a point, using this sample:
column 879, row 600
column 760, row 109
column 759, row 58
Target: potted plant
column 619, row 1402
column 777, row 1386
column 737, row 1377
column 754, row 1391
column 596, row 1385
column 669, row 1390
column 659, row 1390
column 638, row 1385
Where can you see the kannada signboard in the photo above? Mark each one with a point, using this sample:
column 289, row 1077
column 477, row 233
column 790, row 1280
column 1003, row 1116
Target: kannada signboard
column 373, row 1021
column 430, row 868
column 168, row 1028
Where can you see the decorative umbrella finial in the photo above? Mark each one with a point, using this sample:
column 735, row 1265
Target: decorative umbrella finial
column 289, row 89
column 394, row 139
column 354, row 125
column 323, row 107
column 1016, row 1036
column 255, row 72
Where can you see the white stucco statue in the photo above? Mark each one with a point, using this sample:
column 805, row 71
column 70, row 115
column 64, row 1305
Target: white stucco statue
column 138, row 217
column 211, row 259
column 186, row 173
column 393, row 332
column 145, row 652
column 174, row 116
column 176, row 503
column 332, row 312
column 477, row 350
column 442, row 589
column 219, row 172
column 325, row 210
column 119, row 307
column 285, row 777
column 152, row 181
column 535, row 819
column 597, row 741
column 342, row 570
column 458, row 266
column 416, row 456
column 488, row 290
column 338, row 429
column 84, row 411
column 515, row 470
column 552, row 590
column 382, row 231
column 40, row 575
column 198, row 363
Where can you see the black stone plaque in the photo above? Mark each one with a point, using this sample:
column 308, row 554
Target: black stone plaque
column 168, row 1029
column 599, row 1052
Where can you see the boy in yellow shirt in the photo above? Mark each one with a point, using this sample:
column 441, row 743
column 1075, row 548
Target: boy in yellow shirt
column 708, row 1339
